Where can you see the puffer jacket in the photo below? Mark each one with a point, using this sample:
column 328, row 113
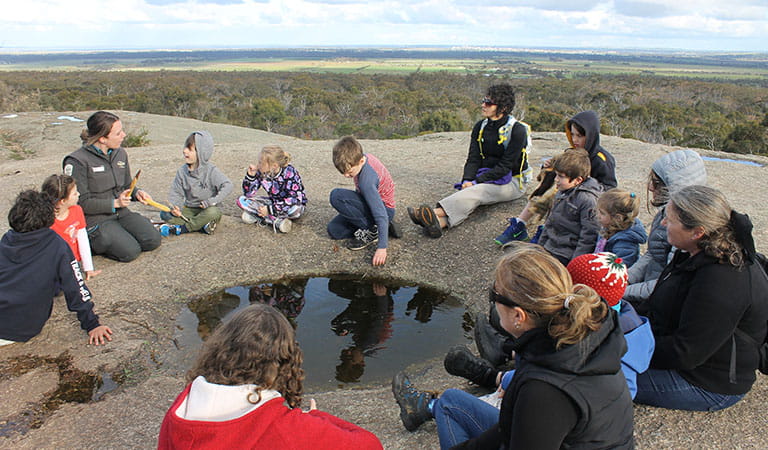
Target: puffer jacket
column 678, row 169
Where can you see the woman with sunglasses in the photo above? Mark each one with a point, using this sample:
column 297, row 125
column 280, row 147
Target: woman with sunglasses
column 495, row 170
column 567, row 390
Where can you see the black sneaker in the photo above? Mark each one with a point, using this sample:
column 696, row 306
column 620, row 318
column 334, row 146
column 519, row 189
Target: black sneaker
column 363, row 238
column 414, row 404
column 462, row 363
column 394, row 230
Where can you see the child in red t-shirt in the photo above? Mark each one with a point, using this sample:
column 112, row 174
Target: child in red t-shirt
column 70, row 220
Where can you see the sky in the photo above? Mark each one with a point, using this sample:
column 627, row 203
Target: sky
column 701, row 25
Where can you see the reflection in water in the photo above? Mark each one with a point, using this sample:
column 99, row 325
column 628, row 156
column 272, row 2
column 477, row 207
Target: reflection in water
column 287, row 298
column 368, row 318
column 350, row 331
column 211, row 309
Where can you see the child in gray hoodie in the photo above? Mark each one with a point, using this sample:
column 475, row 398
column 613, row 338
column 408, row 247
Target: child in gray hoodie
column 198, row 187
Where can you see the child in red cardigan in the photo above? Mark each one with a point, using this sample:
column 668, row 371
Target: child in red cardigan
column 246, row 390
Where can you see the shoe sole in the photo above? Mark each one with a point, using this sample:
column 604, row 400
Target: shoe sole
column 431, row 223
column 356, row 247
column 413, row 213
column 397, row 382
column 285, row 226
column 210, row 229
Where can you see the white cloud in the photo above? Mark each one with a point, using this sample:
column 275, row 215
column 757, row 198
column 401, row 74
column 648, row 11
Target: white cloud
column 738, row 24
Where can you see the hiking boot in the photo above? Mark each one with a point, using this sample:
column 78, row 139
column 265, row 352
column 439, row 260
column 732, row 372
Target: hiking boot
column 363, row 238
column 283, row 225
column 490, row 341
column 432, row 226
column 462, row 363
column 516, row 231
column 414, row 404
column 537, row 236
column 415, row 215
column 209, row 227
column 394, row 230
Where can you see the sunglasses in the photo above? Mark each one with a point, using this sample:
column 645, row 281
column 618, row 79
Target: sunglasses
column 495, row 297
column 487, row 101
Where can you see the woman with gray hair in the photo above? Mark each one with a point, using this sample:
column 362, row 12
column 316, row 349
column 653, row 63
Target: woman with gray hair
column 709, row 307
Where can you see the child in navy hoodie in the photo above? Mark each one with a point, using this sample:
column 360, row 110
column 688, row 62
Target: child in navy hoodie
column 35, row 264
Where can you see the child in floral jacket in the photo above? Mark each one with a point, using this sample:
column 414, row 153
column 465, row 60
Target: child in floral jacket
column 285, row 200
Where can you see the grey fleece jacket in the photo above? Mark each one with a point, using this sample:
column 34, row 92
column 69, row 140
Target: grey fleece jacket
column 678, row 169
column 204, row 186
column 571, row 228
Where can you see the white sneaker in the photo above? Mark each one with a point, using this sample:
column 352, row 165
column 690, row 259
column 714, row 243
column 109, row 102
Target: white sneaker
column 284, row 225
column 248, row 217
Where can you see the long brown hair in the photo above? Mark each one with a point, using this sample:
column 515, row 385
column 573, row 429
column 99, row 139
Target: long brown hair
column 537, row 282
column 706, row 207
column 99, row 126
column 256, row 346
column 58, row 187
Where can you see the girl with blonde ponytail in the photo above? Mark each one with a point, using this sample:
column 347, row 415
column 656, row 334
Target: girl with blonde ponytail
column 568, row 347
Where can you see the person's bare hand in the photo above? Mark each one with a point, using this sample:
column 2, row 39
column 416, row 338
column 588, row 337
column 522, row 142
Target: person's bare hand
column 123, row 200
column 380, row 257
column 176, row 211
column 98, row 334
column 379, row 290
column 143, row 197
column 467, row 184
column 262, row 211
column 91, row 273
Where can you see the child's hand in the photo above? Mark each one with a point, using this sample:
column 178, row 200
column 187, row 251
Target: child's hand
column 252, row 170
column 204, row 204
column 97, row 335
column 91, row 273
column 467, row 184
column 262, row 211
column 143, row 197
column 176, row 211
column 380, row 257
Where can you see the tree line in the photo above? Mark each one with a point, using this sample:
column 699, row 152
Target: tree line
column 710, row 114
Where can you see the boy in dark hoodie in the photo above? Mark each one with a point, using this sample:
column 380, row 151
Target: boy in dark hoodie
column 35, row 263
column 199, row 186
column 582, row 131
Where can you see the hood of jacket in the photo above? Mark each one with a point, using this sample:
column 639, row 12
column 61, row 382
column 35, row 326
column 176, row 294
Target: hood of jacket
column 203, row 146
column 591, row 124
column 21, row 247
column 597, row 354
column 680, row 168
column 635, row 234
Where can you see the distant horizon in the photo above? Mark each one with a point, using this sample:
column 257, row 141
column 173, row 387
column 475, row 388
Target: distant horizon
column 414, row 47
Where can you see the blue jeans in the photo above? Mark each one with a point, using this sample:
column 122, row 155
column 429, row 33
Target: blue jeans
column 668, row 389
column 461, row 416
column 354, row 214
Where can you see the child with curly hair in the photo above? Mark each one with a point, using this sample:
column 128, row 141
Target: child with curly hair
column 285, row 200
column 245, row 390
